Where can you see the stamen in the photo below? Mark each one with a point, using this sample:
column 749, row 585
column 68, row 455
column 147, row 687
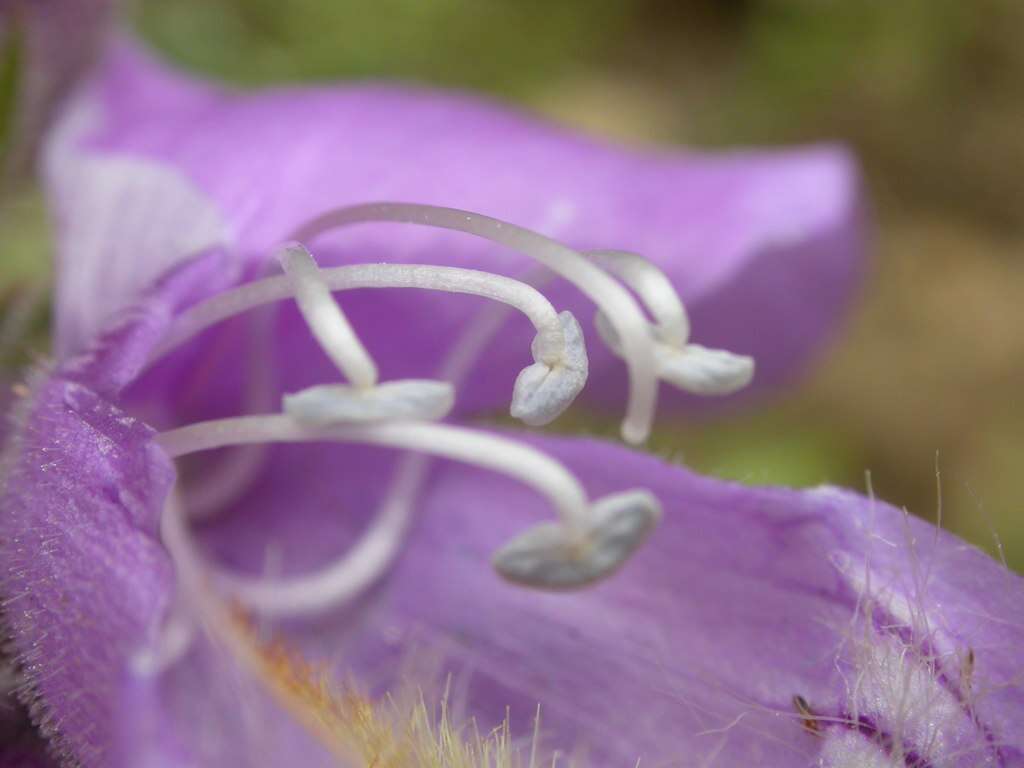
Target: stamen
column 591, row 541
column 341, row 581
column 613, row 300
column 326, row 320
column 554, row 381
column 543, row 390
column 689, row 367
column 488, row 451
column 548, row 556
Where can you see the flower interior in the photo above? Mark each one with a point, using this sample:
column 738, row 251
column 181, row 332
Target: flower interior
column 587, row 540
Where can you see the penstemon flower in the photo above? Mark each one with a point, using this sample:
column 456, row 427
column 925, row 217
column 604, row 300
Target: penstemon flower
column 227, row 277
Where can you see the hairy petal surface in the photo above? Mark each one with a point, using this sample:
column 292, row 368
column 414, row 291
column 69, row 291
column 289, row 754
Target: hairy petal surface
column 83, row 573
column 738, row 233
column 84, row 577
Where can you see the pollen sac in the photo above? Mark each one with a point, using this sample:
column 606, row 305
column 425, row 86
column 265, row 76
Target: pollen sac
column 542, row 391
column 551, row 556
column 691, row 368
column 422, row 399
column 704, row 371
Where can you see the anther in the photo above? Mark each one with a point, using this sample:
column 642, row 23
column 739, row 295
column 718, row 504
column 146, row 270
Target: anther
column 689, row 367
column 611, row 297
column 554, row 557
column 543, row 390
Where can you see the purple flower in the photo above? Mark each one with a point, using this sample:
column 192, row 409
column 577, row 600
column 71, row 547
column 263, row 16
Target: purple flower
column 751, row 627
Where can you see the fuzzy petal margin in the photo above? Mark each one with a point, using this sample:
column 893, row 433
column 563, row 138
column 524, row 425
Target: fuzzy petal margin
column 83, row 572
column 740, row 234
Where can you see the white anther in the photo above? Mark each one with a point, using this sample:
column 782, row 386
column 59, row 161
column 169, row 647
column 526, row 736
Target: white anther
column 325, row 319
column 544, row 390
column 654, row 289
column 422, row 399
column 692, row 368
column 550, row 345
column 551, row 556
column 704, row 371
column 609, row 295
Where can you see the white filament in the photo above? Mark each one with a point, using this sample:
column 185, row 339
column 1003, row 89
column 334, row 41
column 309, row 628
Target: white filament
column 326, row 321
column 232, row 475
column 370, row 557
column 214, row 615
column 402, row 400
column 611, row 297
column 690, row 367
column 521, row 462
column 514, row 293
column 654, row 289
column 348, row 577
column 193, row 595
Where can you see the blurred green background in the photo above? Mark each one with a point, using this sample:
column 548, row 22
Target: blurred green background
column 930, row 93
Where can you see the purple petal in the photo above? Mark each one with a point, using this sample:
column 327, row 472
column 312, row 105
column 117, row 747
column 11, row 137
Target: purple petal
column 204, row 711
column 83, row 574
column 743, row 599
column 893, row 633
column 85, row 579
column 740, row 234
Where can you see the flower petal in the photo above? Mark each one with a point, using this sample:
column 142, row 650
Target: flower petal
column 743, row 599
column 740, row 234
column 84, row 576
column 85, row 580
column 124, row 222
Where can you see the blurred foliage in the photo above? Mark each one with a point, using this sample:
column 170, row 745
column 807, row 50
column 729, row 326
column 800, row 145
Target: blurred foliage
column 503, row 47
column 930, row 93
column 10, row 62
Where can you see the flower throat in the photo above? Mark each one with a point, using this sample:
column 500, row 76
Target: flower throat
column 639, row 316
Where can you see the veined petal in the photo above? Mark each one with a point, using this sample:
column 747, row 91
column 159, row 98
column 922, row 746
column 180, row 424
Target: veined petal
column 124, row 221
column 739, row 234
